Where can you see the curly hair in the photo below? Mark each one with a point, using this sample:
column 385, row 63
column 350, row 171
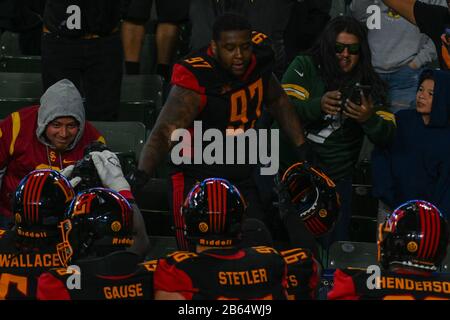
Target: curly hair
column 324, row 56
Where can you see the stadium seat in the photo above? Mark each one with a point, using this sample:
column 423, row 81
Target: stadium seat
column 141, row 98
column 141, row 95
column 344, row 254
column 20, row 64
column 123, row 136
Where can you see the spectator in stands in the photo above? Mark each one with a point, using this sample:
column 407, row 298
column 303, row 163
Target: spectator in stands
column 81, row 42
column 267, row 16
column 203, row 85
column 170, row 13
column 433, row 20
column 213, row 213
column 53, row 136
column 416, row 164
column 95, row 236
column 413, row 243
column 29, row 248
column 399, row 51
column 322, row 84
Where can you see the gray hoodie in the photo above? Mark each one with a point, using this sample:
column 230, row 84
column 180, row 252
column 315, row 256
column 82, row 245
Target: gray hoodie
column 398, row 42
column 60, row 100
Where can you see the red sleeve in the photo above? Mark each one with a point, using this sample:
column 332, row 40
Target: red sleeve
column 51, row 288
column 5, row 140
column 171, row 279
column 183, row 77
column 314, row 279
column 343, row 288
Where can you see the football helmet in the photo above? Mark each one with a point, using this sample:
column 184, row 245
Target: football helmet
column 314, row 197
column 213, row 212
column 40, row 202
column 415, row 235
column 98, row 222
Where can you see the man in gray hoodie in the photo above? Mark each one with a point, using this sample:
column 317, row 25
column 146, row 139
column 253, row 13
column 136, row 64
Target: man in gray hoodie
column 54, row 136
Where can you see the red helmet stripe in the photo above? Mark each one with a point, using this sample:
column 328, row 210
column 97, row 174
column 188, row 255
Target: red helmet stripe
column 219, row 205
column 36, row 201
column 26, row 191
column 215, row 206
column 422, row 231
column 210, row 209
column 315, row 225
column 32, row 189
column 435, row 233
column 424, row 244
column 224, row 206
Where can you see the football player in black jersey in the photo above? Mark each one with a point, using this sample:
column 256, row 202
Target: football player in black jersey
column 219, row 269
column 225, row 86
column 412, row 244
column 29, row 248
column 97, row 230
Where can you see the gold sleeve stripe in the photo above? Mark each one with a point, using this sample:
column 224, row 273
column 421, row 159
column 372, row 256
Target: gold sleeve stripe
column 1, row 133
column 296, row 91
column 101, row 139
column 15, row 130
column 386, row 116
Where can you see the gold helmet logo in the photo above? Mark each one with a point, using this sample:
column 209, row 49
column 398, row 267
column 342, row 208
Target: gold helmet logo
column 323, row 213
column 116, row 226
column 412, row 246
column 18, row 218
column 203, row 227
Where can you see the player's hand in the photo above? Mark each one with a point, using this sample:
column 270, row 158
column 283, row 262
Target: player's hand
column 284, row 199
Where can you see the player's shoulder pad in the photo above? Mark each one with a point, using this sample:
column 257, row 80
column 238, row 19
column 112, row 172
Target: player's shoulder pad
column 265, row 250
column 149, row 265
column 180, row 256
column 296, row 255
column 3, row 233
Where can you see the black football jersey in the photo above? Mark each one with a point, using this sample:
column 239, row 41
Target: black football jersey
column 227, row 102
column 19, row 270
column 302, row 274
column 251, row 273
column 118, row 276
column 357, row 284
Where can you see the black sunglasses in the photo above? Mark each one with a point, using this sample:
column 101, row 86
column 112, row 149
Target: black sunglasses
column 353, row 48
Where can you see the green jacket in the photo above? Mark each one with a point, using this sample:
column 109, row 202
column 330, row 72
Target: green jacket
column 336, row 140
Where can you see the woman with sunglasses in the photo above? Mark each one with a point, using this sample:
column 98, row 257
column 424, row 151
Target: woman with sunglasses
column 321, row 83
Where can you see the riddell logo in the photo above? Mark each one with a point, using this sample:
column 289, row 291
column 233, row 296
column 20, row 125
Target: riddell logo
column 231, row 147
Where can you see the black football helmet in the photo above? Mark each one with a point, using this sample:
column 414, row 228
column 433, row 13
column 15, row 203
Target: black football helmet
column 98, row 222
column 415, row 236
column 40, row 202
column 314, row 197
column 213, row 212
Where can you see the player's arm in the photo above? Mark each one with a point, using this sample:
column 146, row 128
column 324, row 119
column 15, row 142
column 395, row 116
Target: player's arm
column 284, row 112
column 179, row 111
column 404, row 7
column 165, row 295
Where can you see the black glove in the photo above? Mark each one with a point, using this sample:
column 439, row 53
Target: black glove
column 284, row 199
column 304, row 153
column 137, row 180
